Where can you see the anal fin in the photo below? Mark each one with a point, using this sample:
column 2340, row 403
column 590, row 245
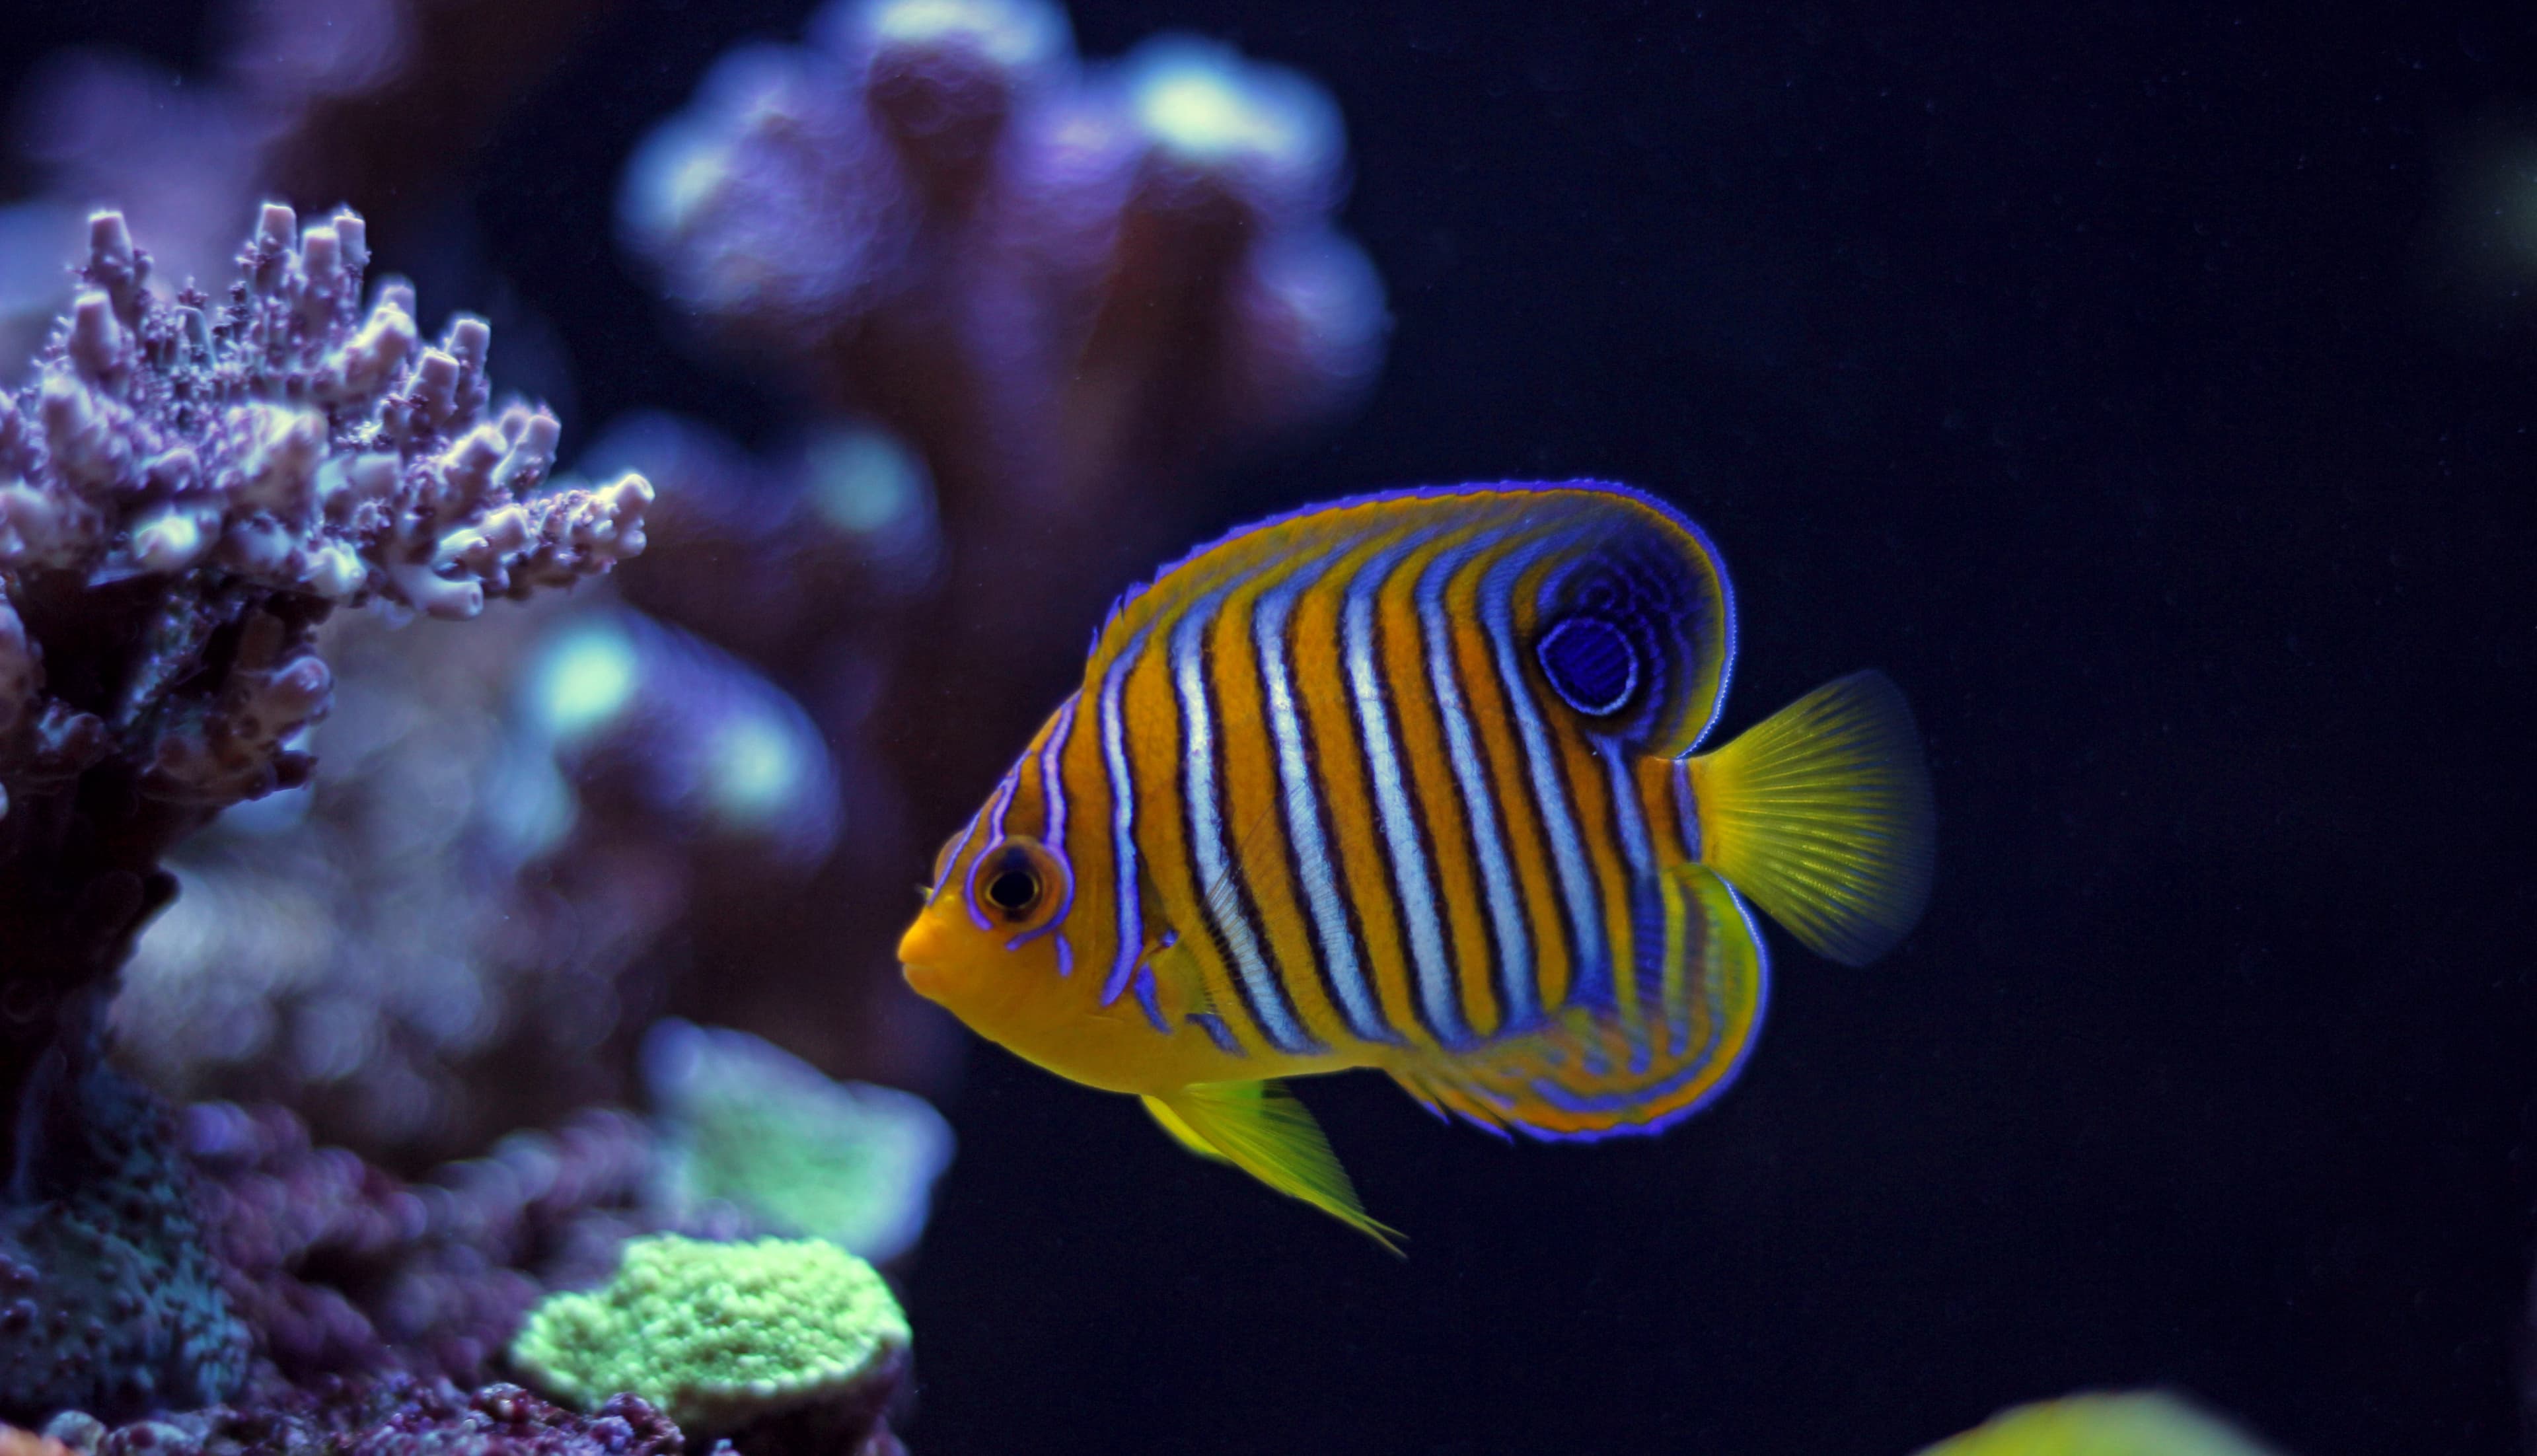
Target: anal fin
column 1260, row 1128
column 1597, row 1071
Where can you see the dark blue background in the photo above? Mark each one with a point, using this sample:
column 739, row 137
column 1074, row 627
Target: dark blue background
column 2103, row 375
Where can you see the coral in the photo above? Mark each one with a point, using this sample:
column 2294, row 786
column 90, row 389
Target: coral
column 302, row 453
column 2137, row 1423
column 343, row 1268
column 450, row 933
column 724, row 1335
column 309, row 99
column 698, row 744
column 15, row 1443
column 108, row 1299
column 391, row 1412
column 1068, row 290
column 745, row 1123
column 980, row 207
column 187, row 489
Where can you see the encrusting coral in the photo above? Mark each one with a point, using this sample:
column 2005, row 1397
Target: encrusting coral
column 109, row 1297
column 2116, row 1424
column 375, row 1415
column 726, row 1337
column 188, row 488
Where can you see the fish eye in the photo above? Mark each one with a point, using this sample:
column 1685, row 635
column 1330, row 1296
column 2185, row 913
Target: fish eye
column 1019, row 881
column 1013, row 891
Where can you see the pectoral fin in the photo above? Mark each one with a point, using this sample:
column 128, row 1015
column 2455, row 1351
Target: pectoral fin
column 1260, row 1128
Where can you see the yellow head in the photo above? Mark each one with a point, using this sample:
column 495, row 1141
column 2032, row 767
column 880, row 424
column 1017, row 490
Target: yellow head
column 1005, row 941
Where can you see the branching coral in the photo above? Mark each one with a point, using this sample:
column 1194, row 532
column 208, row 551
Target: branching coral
column 382, row 99
column 187, row 489
column 343, row 1268
column 934, row 212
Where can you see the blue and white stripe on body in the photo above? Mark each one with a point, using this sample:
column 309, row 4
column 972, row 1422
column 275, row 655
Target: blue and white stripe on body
column 1322, row 895
column 1517, row 990
column 1577, row 890
column 1127, row 874
column 1210, row 854
column 1413, row 880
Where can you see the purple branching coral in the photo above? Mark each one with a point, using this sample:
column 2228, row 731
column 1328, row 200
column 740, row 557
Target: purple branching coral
column 382, row 99
column 343, row 1268
column 188, row 488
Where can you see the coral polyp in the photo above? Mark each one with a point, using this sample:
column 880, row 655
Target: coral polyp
column 290, row 439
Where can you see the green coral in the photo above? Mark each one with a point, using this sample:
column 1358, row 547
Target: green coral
column 719, row 1335
column 109, row 1300
column 745, row 1123
column 2126, row 1424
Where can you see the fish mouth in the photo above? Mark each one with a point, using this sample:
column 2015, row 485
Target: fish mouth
column 926, row 980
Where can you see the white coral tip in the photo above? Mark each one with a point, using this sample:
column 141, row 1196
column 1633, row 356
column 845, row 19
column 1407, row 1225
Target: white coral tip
column 168, row 541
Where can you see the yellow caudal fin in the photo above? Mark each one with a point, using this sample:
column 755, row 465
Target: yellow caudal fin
column 1821, row 812
column 1259, row 1128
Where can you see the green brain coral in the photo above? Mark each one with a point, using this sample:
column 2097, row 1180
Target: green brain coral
column 718, row 1334
column 2141, row 1423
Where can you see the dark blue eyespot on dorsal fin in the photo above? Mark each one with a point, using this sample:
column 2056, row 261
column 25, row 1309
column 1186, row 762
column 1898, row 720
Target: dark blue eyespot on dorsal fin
column 1591, row 664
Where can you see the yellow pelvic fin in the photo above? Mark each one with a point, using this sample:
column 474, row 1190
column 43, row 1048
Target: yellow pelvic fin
column 1260, row 1128
column 1181, row 1132
column 1821, row 812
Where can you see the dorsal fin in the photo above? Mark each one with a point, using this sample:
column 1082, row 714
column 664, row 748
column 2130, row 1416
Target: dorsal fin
column 1622, row 603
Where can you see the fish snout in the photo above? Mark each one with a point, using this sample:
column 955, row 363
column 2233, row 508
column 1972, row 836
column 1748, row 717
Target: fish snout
column 921, row 953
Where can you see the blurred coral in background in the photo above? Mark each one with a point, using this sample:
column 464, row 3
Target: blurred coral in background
column 1019, row 307
column 376, row 102
column 188, row 488
column 1024, row 304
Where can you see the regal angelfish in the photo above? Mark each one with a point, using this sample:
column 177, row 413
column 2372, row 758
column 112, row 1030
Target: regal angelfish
column 1407, row 782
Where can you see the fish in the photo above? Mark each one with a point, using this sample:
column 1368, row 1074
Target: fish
column 1410, row 782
